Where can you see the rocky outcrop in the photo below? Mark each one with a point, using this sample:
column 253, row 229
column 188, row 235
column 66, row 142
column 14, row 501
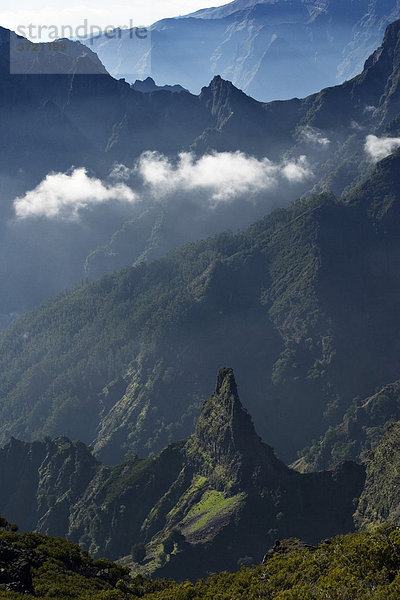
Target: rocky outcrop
column 15, row 568
column 148, row 86
column 360, row 431
column 41, row 480
column 286, row 547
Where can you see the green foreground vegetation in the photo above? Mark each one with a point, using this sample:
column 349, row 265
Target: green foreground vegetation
column 360, row 566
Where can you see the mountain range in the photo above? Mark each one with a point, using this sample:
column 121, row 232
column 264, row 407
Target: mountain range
column 270, row 49
column 105, row 127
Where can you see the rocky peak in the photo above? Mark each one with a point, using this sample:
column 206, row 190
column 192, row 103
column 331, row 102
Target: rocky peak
column 224, row 425
column 223, row 99
column 225, row 441
column 226, row 382
column 381, row 75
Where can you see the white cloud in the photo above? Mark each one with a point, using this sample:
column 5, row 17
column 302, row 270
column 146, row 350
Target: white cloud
column 62, row 195
column 314, row 136
column 297, row 171
column 379, row 148
column 222, row 176
column 212, row 179
column 120, row 172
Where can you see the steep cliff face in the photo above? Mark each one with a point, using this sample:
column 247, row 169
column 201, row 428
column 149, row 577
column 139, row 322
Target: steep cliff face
column 199, row 505
column 42, row 480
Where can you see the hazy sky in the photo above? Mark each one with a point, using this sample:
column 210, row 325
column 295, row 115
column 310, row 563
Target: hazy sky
column 99, row 13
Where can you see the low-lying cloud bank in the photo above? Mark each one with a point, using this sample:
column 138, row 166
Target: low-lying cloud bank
column 213, row 178
column 62, row 195
column 379, row 148
column 222, row 176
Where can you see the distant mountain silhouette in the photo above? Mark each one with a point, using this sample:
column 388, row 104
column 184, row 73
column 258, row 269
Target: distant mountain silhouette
column 270, row 49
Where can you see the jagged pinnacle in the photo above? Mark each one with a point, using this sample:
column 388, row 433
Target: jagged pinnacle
column 225, row 440
column 226, row 382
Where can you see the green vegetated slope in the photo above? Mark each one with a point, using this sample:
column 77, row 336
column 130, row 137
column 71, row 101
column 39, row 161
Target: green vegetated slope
column 303, row 305
column 204, row 504
column 380, row 500
column 362, row 566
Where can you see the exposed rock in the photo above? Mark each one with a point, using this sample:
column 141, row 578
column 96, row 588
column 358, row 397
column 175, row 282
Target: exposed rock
column 286, row 547
column 225, row 437
column 15, row 569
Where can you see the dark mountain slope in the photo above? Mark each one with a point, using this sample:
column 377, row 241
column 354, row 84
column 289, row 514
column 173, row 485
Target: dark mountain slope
column 329, row 128
column 221, row 485
column 366, row 419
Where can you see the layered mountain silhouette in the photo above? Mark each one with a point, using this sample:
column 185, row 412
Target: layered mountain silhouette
column 99, row 120
column 148, row 86
column 200, row 505
column 272, row 50
column 95, row 122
